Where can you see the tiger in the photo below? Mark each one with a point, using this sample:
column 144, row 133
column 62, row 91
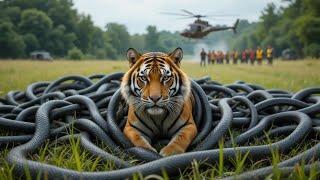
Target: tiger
column 160, row 101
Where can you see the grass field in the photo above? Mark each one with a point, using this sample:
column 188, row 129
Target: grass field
column 292, row 76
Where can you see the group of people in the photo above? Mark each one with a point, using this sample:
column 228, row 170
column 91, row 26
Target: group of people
column 246, row 56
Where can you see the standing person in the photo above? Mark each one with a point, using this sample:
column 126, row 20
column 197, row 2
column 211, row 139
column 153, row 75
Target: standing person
column 212, row 56
column 208, row 57
column 252, row 56
column 259, row 55
column 247, row 55
column 227, row 56
column 235, row 57
column 243, row 56
column 222, row 57
column 218, row 58
column 203, row 55
column 270, row 55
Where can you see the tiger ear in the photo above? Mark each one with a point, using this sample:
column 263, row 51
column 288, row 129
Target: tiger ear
column 176, row 55
column 132, row 56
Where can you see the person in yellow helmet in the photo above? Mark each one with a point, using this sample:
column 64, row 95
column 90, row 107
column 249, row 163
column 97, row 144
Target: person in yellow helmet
column 259, row 55
column 270, row 55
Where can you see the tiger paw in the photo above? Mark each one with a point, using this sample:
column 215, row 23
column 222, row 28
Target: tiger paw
column 171, row 150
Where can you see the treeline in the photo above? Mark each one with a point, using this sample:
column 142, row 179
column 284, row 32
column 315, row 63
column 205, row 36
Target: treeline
column 56, row 26
column 297, row 27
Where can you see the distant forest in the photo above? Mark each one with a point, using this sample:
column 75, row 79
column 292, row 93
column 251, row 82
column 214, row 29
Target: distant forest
column 56, row 26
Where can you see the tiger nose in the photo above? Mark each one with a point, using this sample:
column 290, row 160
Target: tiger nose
column 155, row 98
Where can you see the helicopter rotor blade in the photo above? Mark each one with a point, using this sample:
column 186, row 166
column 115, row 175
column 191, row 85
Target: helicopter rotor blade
column 191, row 17
column 222, row 15
column 188, row 12
column 175, row 14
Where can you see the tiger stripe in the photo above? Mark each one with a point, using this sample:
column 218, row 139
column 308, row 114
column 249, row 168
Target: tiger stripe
column 160, row 102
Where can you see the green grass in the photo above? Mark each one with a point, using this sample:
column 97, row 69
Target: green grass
column 292, row 76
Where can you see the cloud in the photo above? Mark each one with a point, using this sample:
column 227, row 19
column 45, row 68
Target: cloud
column 138, row 14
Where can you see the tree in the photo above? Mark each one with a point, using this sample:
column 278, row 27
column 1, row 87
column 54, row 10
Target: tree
column 269, row 17
column 62, row 13
column 11, row 43
column 119, row 37
column 313, row 50
column 152, row 39
column 11, row 14
column 85, row 30
column 308, row 29
column 111, row 52
column 31, row 43
column 138, row 42
column 35, row 22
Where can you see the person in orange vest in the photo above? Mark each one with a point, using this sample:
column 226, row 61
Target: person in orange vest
column 270, row 55
column 213, row 57
column 259, row 55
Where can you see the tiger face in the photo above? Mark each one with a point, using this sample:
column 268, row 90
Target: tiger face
column 155, row 83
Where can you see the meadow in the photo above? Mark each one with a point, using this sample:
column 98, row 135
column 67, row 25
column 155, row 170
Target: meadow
column 292, row 76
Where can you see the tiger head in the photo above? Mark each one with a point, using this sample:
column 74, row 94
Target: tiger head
column 155, row 82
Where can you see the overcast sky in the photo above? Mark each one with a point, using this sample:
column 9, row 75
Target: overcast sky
column 138, row 14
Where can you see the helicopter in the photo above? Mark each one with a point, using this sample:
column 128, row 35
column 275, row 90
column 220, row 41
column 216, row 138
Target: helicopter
column 200, row 28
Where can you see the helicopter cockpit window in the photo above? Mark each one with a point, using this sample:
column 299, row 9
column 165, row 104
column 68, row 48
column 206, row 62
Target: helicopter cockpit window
column 193, row 28
column 198, row 28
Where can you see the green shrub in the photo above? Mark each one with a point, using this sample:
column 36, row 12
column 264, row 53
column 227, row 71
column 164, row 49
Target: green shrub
column 313, row 50
column 75, row 54
column 100, row 54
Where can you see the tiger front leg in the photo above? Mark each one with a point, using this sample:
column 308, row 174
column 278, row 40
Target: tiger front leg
column 180, row 142
column 183, row 138
column 134, row 135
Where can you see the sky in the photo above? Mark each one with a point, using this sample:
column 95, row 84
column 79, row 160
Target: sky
column 138, row 14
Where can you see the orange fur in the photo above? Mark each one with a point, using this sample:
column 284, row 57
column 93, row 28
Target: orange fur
column 170, row 112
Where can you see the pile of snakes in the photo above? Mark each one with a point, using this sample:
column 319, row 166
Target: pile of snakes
column 46, row 110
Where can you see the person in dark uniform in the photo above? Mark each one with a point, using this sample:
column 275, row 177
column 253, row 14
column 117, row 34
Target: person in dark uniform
column 208, row 57
column 247, row 56
column 243, row 57
column 252, row 56
column 203, row 56
column 227, row 57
